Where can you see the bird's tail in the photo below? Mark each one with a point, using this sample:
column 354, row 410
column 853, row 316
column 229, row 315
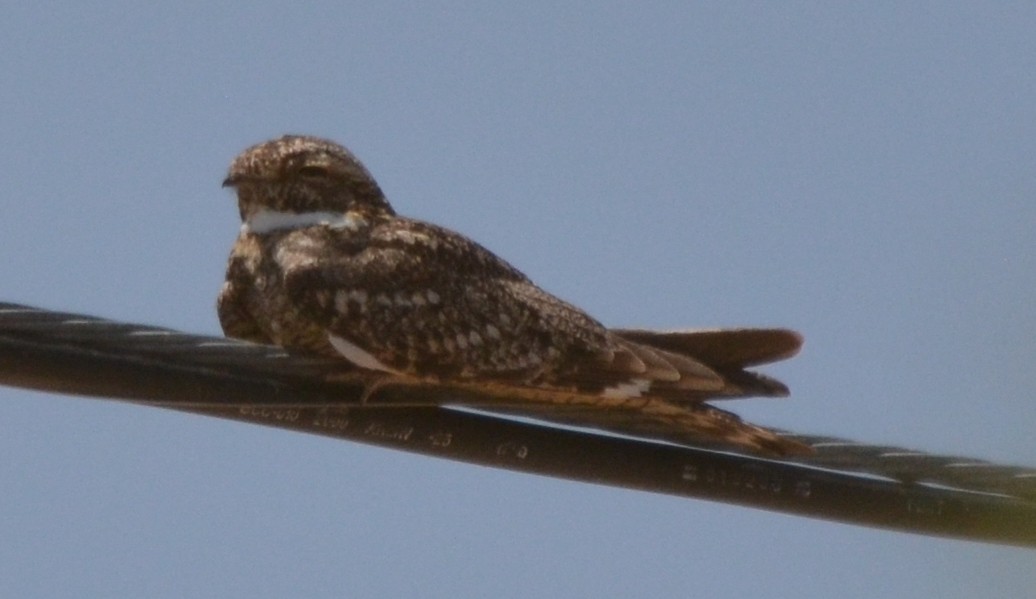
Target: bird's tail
column 726, row 352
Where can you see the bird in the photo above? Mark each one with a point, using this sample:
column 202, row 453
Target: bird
column 323, row 265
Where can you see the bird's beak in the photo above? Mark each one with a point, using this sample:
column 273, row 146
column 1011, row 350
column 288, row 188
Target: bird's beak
column 231, row 181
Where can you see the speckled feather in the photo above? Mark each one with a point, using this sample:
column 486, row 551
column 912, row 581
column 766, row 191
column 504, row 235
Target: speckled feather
column 324, row 263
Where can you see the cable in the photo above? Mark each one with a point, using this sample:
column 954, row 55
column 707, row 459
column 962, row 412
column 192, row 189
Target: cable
column 844, row 481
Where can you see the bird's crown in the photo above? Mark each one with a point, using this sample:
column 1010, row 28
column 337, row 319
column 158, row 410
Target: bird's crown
column 301, row 174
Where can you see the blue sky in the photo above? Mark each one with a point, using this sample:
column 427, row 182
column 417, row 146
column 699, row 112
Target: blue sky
column 862, row 174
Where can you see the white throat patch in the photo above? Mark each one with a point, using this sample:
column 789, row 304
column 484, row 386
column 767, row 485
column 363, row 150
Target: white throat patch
column 267, row 220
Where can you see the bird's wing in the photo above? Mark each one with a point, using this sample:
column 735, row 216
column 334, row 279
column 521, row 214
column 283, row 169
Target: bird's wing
column 426, row 304
column 420, row 300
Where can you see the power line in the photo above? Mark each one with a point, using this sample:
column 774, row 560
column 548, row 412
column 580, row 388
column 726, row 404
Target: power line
column 844, row 481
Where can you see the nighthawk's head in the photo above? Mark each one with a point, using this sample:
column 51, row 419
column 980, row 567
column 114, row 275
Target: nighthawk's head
column 300, row 175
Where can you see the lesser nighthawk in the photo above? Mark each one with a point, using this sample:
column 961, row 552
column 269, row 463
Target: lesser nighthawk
column 324, row 265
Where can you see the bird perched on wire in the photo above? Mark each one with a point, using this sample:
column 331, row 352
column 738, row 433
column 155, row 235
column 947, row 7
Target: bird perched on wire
column 324, row 265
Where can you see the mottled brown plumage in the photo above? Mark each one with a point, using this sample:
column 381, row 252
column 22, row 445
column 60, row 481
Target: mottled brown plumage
column 324, row 265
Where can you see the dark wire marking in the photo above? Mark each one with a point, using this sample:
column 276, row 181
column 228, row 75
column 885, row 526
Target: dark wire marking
column 845, row 481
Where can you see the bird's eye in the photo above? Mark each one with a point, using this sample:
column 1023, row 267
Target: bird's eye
column 313, row 171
